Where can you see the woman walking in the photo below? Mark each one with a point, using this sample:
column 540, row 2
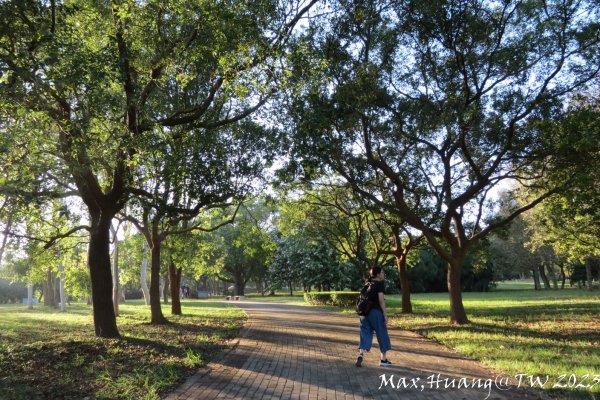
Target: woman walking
column 376, row 320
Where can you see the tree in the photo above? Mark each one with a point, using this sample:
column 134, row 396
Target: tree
column 438, row 103
column 206, row 169
column 246, row 246
column 566, row 227
column 509, row 253
column 92, row 82
column 403, row 241
column 330, row 213
column 310, row 261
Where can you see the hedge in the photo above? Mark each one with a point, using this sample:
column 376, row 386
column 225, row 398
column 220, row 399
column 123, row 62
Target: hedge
column 338, row 299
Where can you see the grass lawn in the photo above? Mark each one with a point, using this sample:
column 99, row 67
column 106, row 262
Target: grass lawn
column 279, row 297
column 515, row 331
column 48, row 354
column 516, row 285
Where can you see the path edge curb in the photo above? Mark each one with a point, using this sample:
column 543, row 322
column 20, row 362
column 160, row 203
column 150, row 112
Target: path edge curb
column 208, row 368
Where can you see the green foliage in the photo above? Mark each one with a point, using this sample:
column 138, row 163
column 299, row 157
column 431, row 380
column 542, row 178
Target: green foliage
column 151, row 101
column 309, row 261
column 579, row 274
column 132, row 252
column 11, row 292
column 331, row 217
column 238, row 251
column 569, row 221
column 426, row 107
column 337, row 299
column 429, row 274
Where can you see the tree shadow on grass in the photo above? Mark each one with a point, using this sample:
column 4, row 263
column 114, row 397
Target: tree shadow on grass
column 75, row 364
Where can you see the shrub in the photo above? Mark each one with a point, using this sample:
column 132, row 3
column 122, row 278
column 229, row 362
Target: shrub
column 11, row 292
column 338, row 299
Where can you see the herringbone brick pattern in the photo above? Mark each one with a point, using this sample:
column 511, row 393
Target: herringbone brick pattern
column 296, row 352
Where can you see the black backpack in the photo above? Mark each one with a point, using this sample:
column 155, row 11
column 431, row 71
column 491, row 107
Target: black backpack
column 364, row 304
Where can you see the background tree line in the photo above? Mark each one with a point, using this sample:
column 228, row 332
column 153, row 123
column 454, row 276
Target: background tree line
column 421, row 136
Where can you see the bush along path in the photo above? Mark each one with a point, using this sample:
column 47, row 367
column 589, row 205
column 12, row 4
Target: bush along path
column 289, row 351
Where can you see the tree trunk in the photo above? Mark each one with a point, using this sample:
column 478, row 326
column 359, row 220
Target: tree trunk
column 175, row 274
column 7, row 228
column 49, row 289
column 155, row 309
column 563, row 275
column 544, row 277
column 404, row 284
column 239, row 284
column 30, row 296
column 165, row 288
column 259, row 287
column 552, row 276
column 536, row 279
column 61, row 291
column 588, row 273
column 105, row 323
column 457, row 310
column 144, row 276
column 291, row 286
column 115, row 271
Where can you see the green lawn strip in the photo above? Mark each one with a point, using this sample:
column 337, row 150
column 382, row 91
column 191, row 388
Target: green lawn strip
column 515, row 285
column 518, row 332
column 49, row 354
column 279, row 297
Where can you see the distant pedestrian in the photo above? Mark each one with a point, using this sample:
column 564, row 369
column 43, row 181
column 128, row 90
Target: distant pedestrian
column 376, row 320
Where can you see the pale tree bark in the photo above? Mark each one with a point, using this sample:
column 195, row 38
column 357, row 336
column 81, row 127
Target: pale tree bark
column 115, row 270
column 30, row 296
column 552, row 275
column 588, row 273
column 144, row 276
column 543, row 276
column 62, row 293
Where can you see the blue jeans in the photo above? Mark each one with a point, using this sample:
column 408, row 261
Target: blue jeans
column 374, row 322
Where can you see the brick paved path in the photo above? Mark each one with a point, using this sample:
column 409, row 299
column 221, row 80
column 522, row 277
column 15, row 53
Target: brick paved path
column 298, row 352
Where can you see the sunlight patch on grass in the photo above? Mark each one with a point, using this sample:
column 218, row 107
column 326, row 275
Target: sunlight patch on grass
column 532, row 332
column 52, row 354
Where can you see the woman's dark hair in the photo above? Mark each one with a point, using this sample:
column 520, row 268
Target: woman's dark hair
column 373, row 272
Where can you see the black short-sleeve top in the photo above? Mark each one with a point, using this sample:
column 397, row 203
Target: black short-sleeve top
column 376, row 288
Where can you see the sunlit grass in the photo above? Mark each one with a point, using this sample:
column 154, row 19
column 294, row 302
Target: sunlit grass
column 280, row 297
column 50, row 354
column 548, row 332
